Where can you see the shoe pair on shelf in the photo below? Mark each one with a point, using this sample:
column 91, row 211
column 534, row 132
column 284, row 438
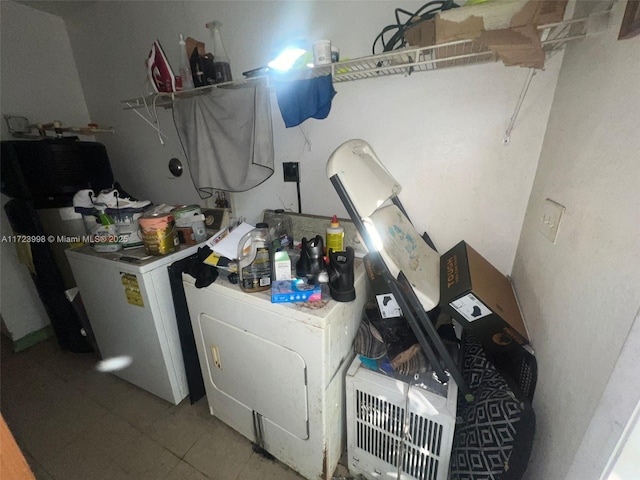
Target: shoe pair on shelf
column 111, row 198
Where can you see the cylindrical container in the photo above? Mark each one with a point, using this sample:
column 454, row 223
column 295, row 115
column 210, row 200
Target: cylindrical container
column 281, row 231
column 221, row 64
column 335, row 54
column 185, row 66
column 335, row 236
column 254, row 259
column 322, row 52
column 128, row 227
column 189, row 224
column 158, row 232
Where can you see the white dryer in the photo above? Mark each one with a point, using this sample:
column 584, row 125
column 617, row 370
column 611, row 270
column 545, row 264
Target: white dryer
column 276, row 372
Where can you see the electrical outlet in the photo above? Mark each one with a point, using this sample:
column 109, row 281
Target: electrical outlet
column 291, row 171
column 550, row 218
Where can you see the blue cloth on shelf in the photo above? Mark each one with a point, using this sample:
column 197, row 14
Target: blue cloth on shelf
column 302, row 99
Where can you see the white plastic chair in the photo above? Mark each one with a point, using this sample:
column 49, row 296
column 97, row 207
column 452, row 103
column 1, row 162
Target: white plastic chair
column 411, row 266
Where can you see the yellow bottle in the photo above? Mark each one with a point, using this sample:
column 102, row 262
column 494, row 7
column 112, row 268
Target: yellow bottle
column 335, row 236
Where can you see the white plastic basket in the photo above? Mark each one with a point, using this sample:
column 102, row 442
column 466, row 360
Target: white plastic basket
column 376, row 424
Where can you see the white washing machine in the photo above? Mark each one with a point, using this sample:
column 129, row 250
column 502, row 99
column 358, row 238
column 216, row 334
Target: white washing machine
column 276, row 372
column 131, row 312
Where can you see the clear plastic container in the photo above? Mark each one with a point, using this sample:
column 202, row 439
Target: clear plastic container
column 254, row 259
column 322, row 52
column 281, row 231
column 185, row 66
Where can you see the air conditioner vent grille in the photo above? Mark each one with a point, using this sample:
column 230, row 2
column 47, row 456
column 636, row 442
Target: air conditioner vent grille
column 379, row 431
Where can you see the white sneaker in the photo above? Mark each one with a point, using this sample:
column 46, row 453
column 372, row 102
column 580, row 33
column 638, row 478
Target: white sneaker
column 112, row 199
column 84, row 199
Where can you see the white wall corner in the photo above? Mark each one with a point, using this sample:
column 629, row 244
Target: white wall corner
column 616, row 406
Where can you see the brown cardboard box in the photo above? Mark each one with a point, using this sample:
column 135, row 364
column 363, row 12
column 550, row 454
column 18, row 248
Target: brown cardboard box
column 193, row 44
column 422, row 34
column 507, row 27
column 515, row 46
column 550, row 11
column 481, row 299
column 468, row 21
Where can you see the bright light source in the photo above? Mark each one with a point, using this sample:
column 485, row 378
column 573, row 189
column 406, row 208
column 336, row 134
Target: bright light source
column 374, row 236
column 285, row 60
column 114, row 363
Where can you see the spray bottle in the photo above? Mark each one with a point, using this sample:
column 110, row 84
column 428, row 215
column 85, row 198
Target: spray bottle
column 185, row 66
column 221, row 63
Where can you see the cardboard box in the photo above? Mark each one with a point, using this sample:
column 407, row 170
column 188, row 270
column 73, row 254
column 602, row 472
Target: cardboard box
column 422, row 34
column 386, row 301
column 298, row 290
column 519, row 46
column 469, row 21
column 506, row 27
column 281, row 266
column 481, row 298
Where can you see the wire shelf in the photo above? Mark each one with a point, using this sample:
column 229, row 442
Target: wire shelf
column 398, row 62
column 407, row 61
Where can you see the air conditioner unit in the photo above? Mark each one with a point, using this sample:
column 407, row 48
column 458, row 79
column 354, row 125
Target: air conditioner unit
column 380, row 409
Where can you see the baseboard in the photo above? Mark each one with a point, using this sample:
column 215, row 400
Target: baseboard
column 33, row 338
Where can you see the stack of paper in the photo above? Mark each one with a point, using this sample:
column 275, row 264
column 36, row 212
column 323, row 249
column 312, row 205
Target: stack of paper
column 225, row 251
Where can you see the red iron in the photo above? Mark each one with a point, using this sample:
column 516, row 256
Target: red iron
column 159, row 71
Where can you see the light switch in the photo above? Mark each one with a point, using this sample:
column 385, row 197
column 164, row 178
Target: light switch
column 550, row 218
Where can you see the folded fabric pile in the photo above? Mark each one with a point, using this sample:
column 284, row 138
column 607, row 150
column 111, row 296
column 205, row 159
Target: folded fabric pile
column 388, row 344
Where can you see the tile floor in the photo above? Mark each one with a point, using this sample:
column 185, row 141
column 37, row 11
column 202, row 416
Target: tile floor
column 73, row 422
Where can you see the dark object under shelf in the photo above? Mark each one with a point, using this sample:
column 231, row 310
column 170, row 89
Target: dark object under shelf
column 195, row 381
column 41, row 176
column 47, row 278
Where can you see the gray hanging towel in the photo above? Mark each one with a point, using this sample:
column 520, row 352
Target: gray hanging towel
column 227, row 137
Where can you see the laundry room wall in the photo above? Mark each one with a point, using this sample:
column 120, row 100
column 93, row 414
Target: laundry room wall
column 39, row 81
column 39, row 76
column 440, row 133
column 580, row 294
